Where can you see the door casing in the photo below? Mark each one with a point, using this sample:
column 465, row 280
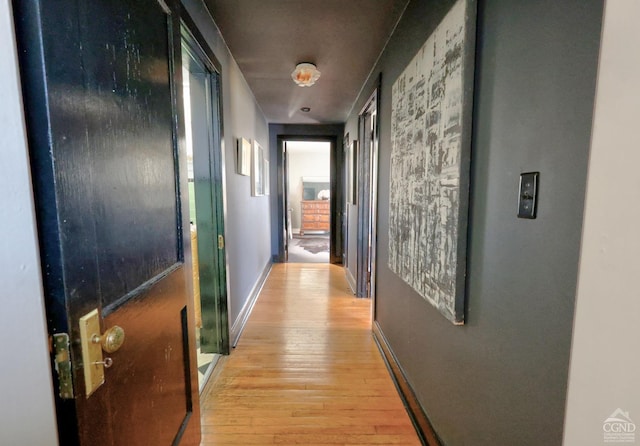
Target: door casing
column 367, row 198
column 209, row 175
column 337, row 195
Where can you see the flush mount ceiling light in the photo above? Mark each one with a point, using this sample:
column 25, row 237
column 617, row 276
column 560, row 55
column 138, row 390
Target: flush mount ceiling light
column 305, row 74
column 305, row 109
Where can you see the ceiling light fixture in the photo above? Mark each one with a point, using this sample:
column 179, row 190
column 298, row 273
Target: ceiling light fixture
column 305, row 74
column 305, row 109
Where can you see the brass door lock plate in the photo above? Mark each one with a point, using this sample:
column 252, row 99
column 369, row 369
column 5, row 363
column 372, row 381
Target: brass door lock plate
column 92, row 362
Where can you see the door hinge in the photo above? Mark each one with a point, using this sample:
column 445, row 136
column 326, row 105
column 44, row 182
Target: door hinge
column 220, row 242
column 63, row 365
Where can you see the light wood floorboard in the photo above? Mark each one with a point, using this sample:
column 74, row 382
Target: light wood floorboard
column 306, row 371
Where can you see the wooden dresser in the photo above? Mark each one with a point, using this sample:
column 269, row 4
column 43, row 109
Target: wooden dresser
column 315, row 215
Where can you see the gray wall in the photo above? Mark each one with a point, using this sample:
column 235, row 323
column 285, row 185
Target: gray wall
column 502, row 378
column 605, row 364
column 248, row 232
column 27, row 414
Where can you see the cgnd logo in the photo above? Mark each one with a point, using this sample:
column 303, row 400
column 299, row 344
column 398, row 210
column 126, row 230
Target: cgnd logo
column 619, row 428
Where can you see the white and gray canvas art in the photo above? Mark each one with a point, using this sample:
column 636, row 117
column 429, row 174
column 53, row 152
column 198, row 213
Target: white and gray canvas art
column 426, row 126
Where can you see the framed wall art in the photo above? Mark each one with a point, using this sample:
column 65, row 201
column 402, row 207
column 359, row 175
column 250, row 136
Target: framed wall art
column 257, row 170
column 265, row 175
column 243, row 166
column 353, row 180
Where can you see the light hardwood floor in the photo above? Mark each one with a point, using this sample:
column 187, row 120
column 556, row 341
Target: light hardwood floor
column 306, row 371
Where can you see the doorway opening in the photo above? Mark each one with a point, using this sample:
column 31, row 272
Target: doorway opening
column 367, row 199
column 308, row 200
column 203, row 133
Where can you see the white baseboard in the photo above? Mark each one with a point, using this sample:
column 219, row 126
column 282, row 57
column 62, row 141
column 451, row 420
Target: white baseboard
column 241, row 321
column 350, row 279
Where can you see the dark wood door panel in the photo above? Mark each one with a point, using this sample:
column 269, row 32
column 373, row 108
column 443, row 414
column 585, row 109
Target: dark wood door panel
column 128, row 124
column 147, row 381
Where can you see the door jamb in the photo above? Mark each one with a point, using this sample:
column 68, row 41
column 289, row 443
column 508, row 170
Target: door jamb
column 207, row 56
column 367, row 198
column 336, row 214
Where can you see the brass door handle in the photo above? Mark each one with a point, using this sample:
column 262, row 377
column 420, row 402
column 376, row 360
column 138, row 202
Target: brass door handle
column 111, row 340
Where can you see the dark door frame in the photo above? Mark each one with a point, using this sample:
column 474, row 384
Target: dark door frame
column 285, row 184
column 337, row 195
column 368, row 141
column 215, row 308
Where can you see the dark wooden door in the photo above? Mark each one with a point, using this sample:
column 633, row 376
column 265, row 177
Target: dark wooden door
column 99, row 80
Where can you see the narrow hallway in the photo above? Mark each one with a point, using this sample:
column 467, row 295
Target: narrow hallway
column 306, row 370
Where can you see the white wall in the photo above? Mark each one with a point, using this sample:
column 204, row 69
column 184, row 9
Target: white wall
column 306, row 159
column 27, row 415
column 605, row 362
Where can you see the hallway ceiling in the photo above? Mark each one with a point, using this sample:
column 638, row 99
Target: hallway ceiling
column 342, row 37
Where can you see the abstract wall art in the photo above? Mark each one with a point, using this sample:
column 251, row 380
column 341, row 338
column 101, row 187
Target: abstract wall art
column 429, row 181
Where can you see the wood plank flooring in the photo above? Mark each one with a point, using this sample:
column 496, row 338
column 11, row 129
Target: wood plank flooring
column 306, row 371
